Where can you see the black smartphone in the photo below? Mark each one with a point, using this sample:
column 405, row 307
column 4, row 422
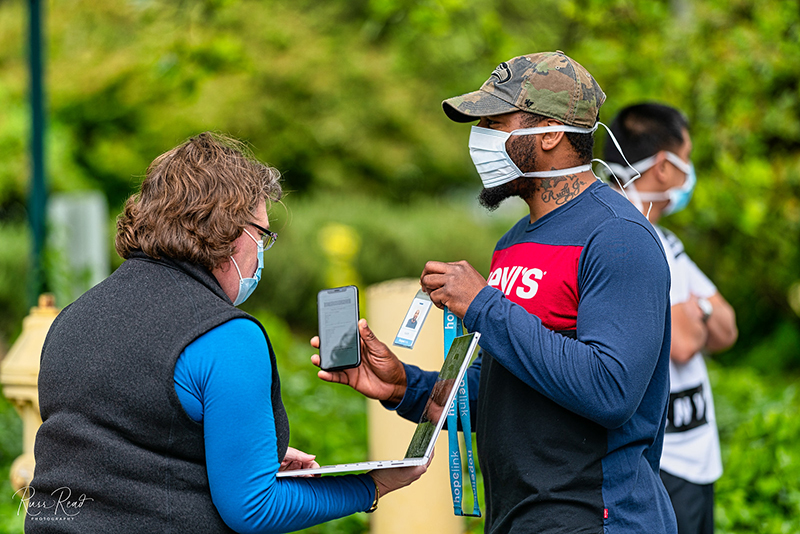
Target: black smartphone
column 339, row 342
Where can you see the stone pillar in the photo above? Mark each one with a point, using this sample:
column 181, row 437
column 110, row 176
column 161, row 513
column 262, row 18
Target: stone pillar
column 426, row 505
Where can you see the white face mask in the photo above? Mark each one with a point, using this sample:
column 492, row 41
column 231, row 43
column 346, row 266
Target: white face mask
column 487, row 148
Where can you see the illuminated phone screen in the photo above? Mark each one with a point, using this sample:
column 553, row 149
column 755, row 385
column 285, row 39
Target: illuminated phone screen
column 340, row 346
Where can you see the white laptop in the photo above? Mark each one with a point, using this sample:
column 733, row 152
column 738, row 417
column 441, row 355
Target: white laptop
column 433, row 416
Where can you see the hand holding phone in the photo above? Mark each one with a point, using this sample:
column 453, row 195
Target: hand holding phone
column 339, row 342
column 380, row 376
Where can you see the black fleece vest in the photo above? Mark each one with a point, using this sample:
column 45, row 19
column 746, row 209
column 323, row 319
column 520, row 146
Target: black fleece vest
column 114, row 433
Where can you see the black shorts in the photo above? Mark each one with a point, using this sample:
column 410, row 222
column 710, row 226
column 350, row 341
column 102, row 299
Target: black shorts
column 693, row 504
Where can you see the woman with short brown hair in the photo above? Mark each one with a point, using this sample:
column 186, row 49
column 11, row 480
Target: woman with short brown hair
column 160, row 399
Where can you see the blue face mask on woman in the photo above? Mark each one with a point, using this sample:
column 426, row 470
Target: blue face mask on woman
column 248, row 285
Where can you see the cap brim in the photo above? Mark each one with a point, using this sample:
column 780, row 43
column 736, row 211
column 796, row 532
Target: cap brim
column 474, row 105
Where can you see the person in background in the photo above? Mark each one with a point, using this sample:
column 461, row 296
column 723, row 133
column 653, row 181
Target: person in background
column 160, row 399
column 656, row 138
column 569, row 395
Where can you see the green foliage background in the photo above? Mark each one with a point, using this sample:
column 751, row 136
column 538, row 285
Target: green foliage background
column 344, row 98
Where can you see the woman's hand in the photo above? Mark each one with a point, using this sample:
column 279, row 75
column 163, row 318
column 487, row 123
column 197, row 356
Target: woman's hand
column 296, row 459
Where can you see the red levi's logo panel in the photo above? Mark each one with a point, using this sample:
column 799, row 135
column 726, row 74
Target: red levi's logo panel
column 543, row 279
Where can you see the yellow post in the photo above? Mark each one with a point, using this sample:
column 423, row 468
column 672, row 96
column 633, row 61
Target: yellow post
column 426, row 505
column 19, row 375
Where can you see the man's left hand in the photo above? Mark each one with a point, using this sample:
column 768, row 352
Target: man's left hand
column 454, row 285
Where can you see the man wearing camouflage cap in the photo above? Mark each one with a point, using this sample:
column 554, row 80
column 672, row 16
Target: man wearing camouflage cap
column 569, row 395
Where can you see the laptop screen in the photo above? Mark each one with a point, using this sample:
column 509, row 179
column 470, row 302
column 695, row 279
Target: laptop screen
column 442, row 395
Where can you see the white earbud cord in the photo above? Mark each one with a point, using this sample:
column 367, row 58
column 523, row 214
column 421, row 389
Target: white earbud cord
column 619, row 149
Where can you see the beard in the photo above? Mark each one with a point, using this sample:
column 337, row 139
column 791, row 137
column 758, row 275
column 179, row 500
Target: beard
column 491, row 198
column 522, row 152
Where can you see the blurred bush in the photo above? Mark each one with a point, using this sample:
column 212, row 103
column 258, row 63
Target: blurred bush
column 760, row 488
column 344, row 98
column 395, row 242
column 11, row 518
column 13, row 273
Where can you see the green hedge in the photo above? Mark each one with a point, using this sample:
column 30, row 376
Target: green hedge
column 10, row 448
column 344, row 97
column 759, row 491
column 393, row 241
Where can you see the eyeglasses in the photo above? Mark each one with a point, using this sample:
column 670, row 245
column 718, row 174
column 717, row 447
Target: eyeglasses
column 267, row 238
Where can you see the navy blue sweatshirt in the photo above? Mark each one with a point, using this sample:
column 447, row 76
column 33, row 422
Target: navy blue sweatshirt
column 570, row 394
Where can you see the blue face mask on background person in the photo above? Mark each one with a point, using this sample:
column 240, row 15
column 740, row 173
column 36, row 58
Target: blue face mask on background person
column 248, row 285
column 678, row 197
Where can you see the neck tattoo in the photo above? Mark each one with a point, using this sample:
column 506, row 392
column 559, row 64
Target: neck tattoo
column 560, row 189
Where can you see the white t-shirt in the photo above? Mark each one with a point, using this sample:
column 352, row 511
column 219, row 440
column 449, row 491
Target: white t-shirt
column 691, row 443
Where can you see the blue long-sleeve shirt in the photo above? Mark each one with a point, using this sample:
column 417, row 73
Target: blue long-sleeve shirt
column 223, row 380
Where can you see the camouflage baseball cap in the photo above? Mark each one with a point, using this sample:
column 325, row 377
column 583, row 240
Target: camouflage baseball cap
column 547, row 83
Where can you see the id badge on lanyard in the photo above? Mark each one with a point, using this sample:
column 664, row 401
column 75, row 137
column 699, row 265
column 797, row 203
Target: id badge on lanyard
column 453, row 327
